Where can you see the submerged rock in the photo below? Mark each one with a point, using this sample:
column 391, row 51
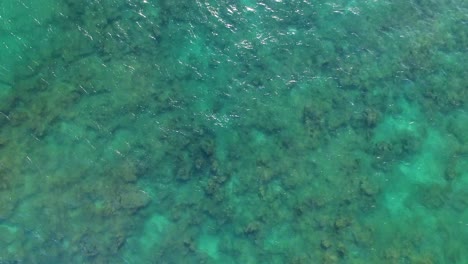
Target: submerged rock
column 134, row 200
column 7, row 234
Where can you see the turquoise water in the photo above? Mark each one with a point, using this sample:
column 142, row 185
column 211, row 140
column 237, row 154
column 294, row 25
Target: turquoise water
column 233, row 131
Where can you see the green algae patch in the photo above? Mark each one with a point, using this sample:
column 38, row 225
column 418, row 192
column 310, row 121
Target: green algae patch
column 8, row 234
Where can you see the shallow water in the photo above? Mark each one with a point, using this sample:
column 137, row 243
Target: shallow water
column 233, row 131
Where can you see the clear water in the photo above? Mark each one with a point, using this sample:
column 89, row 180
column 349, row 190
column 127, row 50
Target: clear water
column 233, row 131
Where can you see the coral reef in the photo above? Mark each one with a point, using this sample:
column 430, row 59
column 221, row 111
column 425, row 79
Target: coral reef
column 240, row 132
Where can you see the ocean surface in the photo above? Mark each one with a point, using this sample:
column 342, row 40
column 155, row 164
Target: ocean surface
column 233, row 131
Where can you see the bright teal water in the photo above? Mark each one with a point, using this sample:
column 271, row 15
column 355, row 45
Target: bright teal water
column 233, row 131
